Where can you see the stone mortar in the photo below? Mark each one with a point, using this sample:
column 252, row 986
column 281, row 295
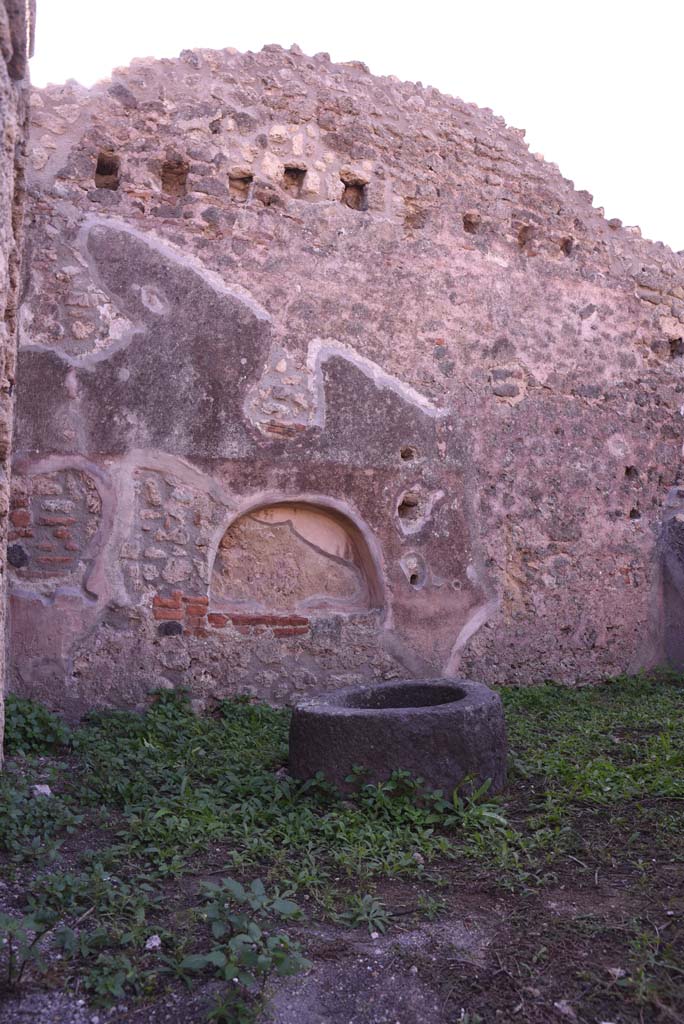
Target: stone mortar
column 442, row 731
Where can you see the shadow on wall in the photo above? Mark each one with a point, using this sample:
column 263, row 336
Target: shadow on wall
column 672, row 568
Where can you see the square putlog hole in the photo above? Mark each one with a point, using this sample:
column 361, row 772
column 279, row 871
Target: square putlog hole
column 107, row 170
column 293, row 180
column 355, row 195
column 174, row 177
column 471, row 222
column 239, row 186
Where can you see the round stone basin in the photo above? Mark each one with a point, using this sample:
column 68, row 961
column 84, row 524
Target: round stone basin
column 448, row 732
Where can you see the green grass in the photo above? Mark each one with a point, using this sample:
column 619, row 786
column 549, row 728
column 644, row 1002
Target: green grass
column 140, row 802
column 600, row 744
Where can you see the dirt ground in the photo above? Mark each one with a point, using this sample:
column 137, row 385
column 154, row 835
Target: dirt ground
column 573, row 911
column 557, row 954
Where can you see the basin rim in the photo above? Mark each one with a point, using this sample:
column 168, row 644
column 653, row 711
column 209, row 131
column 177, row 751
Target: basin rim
column 475, row 695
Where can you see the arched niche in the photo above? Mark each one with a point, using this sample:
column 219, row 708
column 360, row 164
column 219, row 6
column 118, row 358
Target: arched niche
column 295, row 556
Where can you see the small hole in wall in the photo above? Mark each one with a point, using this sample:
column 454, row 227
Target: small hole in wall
column 107, row 170
column 409, row 506
column 408, row 453
column 354, row 195
column 238, row 187
column 414, row 569
column 525, row 235
column 567, row 245
column 631, row 472
column 635, row 514
column 676, row 348
column 169, row 628
column 174, row 177
column 17, row 556
column 471, row 222
column 293, row 179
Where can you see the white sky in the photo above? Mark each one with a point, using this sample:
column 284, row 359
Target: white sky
column 597, row 85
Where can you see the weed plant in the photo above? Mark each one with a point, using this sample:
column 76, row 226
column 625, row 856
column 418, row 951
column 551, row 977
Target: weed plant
column 141, row 802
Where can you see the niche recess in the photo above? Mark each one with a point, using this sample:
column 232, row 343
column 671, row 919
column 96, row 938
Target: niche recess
column 410, row 507
column 174, row 177
column 293, row 179
column 294, row 557
column 107, row 170
column 471, row 222
column 526, row 235
column 239, row 184
column 414, row 508
column 355, row 194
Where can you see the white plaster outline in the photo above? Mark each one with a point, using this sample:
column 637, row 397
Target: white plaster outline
column 477, row 618
column 176, row 255
column 320, row 350
column 146, row 460
column 94, row 583
column 168, row 251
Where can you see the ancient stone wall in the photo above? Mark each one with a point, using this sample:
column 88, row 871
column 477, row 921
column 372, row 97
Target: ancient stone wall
column 326, row 376
column 16, row 22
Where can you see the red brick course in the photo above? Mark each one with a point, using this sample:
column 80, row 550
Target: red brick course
column 166, row 602
column 195, row 609
column 269, row 620
column 20, row 517
column 217, row 620
column 168, row 613
column 192, row 611
column 281, row 625
column 62, row 530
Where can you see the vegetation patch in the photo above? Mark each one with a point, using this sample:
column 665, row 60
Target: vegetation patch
column 162, row 852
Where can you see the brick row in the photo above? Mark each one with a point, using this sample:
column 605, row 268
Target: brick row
column 269, row 620
column 168, row 613
column 166, row 602
column 290, row 631
column 192, row 611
